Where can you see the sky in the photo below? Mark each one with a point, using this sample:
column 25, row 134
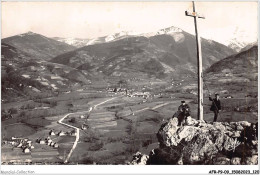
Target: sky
column 223, row 20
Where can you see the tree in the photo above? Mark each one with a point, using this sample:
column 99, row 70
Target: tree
column 73, row 120
column 12, row 111
column 122, row 83
column 9, row 69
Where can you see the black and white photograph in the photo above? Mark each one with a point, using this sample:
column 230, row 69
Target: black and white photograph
column 130, row 83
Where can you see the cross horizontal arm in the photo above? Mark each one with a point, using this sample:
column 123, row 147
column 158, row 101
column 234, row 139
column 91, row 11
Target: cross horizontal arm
column 194, row 14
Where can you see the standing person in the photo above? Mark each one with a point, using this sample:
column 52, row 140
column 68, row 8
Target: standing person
column 216, row 106
column 183, row 112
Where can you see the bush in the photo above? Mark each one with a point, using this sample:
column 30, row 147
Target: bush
column 70, row 105
column 31, row 63
column 129, row 128
column 147, row 142
column 22, row 114
column 9, row 69
column 29, row 106
column 53, row 103
column 96, row 146
column 72, row 120
column 12, row 111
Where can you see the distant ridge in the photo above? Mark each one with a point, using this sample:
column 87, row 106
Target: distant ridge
column 37, row 45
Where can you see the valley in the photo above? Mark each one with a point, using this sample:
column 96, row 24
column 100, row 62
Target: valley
column 101, row 103
column 116, row 122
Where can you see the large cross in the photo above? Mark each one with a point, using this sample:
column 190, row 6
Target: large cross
column 195, row 15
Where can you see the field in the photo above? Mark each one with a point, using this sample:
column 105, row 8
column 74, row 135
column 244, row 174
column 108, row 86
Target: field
column 112, row 126
column 16, row 130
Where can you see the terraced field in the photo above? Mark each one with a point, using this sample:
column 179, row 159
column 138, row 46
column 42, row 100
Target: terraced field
column 108, row 127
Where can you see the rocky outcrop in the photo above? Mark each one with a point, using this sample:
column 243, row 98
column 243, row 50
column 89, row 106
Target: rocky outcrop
column 139, row 159
column 199, row 142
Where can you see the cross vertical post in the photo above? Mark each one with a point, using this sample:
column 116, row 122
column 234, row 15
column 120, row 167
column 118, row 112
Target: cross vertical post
column 199, row 61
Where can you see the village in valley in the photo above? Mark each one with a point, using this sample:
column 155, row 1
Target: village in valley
column 104, row 130
column 113, row 99
column 54, row 143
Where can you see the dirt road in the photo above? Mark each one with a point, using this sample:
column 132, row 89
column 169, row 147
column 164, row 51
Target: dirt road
column 95, row 108
column 78, row 129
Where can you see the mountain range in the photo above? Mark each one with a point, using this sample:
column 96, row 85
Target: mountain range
column 237, row 42
column 78, row 42
column 172, row 51
column 39, row 46
column 28, row 73
column 33, row 63
column 238, row 73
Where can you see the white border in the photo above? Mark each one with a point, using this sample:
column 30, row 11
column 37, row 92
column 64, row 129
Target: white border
column 125, row 169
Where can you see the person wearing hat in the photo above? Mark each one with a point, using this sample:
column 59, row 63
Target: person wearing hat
column 215, row 106
column 184, row 111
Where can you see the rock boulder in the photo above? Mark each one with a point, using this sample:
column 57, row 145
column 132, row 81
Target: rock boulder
column 200, row 142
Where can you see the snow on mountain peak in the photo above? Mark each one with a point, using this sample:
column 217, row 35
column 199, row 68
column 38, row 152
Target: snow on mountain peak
column 240, row 40
column 236, row 44
column 77, row 42
column 169, row 30
column 119, row 35
column 26, row 34
column 232, row 36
